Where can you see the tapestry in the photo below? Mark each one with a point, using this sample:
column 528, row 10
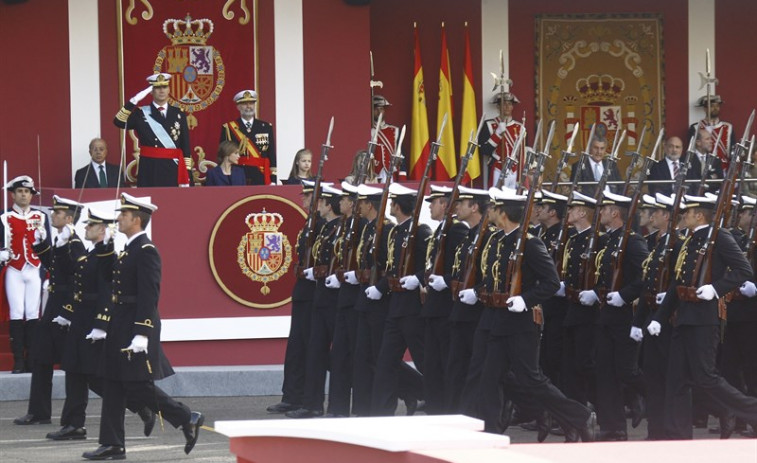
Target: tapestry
column 606, row 70
column 208, row 47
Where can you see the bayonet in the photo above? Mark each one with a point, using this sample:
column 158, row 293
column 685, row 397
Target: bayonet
column 564, row 157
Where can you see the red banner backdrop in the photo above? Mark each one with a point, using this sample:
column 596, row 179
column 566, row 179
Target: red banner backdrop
column 208, row 47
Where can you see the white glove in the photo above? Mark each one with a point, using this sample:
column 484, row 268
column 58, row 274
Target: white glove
column 138, row 344
column 654, row 328
column 5, row 256
column 308, row 272
column 468, row 296
column 437, row 283
column 61, row 321
column 748, row 289
column 141, row 95
column 588, row 297
column 96, row 335
column 63, row 236
column 40, row 234
column 707, row 293
column 516, row 304
column 561, row 292
column 351, row 278
column 500, row 129
column 109, row 232
column 660, row 298
column 636, row 333
column 410, row 282
column 373, row 293
column 333, row 282
column 615, row 300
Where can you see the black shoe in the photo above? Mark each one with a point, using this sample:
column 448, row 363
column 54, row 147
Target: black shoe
column 68, row 433
column 191, row 431
column 543, row 425
column 727, row 425
column 589, row 431
column 303, row 413
column 612, row 436
column 31, row 419
column 638, row 409
column 282, row 407
column 506, row 415
column 148, row 418
column 412, row 406
column 106, row 452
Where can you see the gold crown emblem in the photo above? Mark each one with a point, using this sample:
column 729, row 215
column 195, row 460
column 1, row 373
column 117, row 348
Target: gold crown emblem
column 188, row 31
column 600, row 90
column 265, row 221
column 570, row 100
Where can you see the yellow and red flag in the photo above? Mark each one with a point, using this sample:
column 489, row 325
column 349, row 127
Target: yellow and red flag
column 469, row 119
column 419, row 139
column 446, row 168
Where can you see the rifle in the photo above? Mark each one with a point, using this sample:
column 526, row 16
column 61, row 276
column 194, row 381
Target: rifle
column 635, row 155
column 709, row 158
column 588, row 258
column 530, row 153
column 564, row 158
column 396, row 159
column 617, row 273
column 349, row 258
column 406, row 265
column 309, row 230
column 437, row 267
column 373, row 84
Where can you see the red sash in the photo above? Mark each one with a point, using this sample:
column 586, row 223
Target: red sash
column 182, row 176
column 249, row 155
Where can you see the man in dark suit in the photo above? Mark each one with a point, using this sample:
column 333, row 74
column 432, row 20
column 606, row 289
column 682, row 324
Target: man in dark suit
column 98, row 173
column 704, row 149
column 669, row 168
column 255, row 138
column 591, row 169
column 133, row 358
column 165, row 158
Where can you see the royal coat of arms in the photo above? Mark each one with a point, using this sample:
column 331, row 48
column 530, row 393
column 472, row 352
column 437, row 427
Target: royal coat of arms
column 264, row 253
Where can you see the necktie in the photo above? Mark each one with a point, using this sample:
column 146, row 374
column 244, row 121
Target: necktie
column 103, row 179
column 162, row 111
column 248, row 125
column 676, row 169
column 597, row 173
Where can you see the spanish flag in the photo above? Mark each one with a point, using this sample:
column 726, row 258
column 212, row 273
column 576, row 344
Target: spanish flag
column 469, row 119
column 446, row 169
column 419, row 140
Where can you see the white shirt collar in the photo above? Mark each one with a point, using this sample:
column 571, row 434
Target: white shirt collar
column 134, row 236
column 18, row 209
column 700, row 227
column 245, row 121
column 96, row 166
column 156, row 106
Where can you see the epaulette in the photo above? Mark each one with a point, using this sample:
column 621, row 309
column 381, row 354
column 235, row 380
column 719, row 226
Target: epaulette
column 147, row 323
column 148, row 245
column 81, row 258
column 123, row 114
column 106, row 254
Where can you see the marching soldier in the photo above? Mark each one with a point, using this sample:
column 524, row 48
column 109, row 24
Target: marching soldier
column 52, row 329
column 165, row 157
column 92, row 289
column 579, row 359
column 293, row 388
column 693, row 344
column 438, row 304
column 255, row 138
column 387, row 141
column 463, row 318
column 617, row 354
column 404, row 327
column 323, row 311
column 133, row 357
column 497, row 141
column 29, row 235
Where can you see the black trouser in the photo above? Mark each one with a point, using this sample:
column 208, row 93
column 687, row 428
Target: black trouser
column 40, row 391
column 617, row 366
column 342, row 348
column 518, row 354
column 293, row 388
column 578, row 364
column 472, row 394
column 78, row 386
column 436, row 350
column 146, row 392
column 321, row 333
column 400, row 333
column 693, row 350
column 739, row 354
column 552, row 342
column 656, row 352
column 461, row 336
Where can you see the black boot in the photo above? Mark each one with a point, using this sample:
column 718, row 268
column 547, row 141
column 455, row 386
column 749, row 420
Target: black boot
column 30, row 327
column 16, row 329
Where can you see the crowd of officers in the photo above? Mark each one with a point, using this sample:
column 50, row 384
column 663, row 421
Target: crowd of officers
column 563, row 350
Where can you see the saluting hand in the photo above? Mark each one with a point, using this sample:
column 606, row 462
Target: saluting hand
column 141, row 95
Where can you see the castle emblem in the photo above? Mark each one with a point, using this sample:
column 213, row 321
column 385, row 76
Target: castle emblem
column 197, row 70
column 264, row 253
